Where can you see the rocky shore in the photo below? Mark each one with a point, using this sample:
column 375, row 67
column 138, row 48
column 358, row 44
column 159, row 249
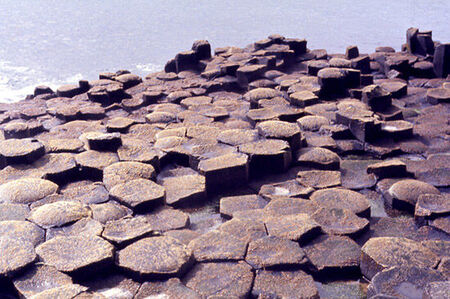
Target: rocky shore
column 270, row 171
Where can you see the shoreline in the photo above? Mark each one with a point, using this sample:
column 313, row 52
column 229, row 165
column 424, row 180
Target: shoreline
column 235, row 172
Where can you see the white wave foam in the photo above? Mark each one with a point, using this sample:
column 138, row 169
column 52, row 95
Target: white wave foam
column 16, row 82
column 149, row 67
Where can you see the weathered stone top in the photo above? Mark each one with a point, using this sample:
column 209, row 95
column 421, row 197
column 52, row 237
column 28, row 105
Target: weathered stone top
column 255, row 171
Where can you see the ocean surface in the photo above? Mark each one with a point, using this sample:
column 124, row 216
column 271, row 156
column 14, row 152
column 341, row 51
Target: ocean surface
column 58, row 42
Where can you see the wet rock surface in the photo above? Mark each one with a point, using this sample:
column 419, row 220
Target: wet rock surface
column 251, row 172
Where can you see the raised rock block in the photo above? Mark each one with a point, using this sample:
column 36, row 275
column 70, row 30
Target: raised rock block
column 441, row 60
column 138, row 194
column 267, row 156
column 155, row 257
column 21, row 151
column 332, row 81
column 319, row 158
column 248, row 73
column 382, row 253
column 351, row 52
column 438, row 95
column 376, row 97
column 388, row 169
column 224, row 171
column 202, row 49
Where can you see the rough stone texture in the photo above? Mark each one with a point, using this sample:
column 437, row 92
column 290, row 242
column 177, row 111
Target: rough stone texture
column 113, row 286
column 386, row 169
column 184, row 189
column 220, row 280
column 93, row 162
column 17, row 151
column 126, row 230
column 281, row 284
column 76, row 254
column 281, row 130
column 334, row 255
column 317, row 157
column 40, row 278
column 267, row 156
column 429, row 206
column 339, row 221
column 287, row 189
column 108, row 211
column 342, row 198
column 23, row 231
column 27, row 190
column 319, row 178
column 164, row 219
column 68, row 290
column 138, row 193
column 224, row 171
column 155, row 257
column 402, row 282
column 229, row 205
column 16, row 255
column 299, row 227
column 217, row 246
column 13, row 211
column 274, row 252
column 385, row 252
column 85, row 226
column 405, row 193
column 435, row 290
column 88, row 194
column 122, row 172
column 58, row 213
column 245, row 230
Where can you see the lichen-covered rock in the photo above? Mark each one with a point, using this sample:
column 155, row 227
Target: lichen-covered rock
column 21, row 151
column 245, row 230
column 85, row 226
column 16, row 255
column 155, row 257
column 58, row 213
column 274, row 252
column 13, row 212
column 334, row 255
column 281, row 130
column 282, row 284
column 108, row 211
column 40, row 278
column 76, row 254
column 226, row 280
column 231, row 204
column 126, row 230
column 27, row 190
column 138, row 193
column 298, row 227
column 216, row 246
column 23, row 231
column 385, row 252
column 164, row 219
column 184, row 189
column 122, row 172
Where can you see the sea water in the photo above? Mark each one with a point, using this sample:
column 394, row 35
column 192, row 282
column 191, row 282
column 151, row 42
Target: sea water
column 54, row 42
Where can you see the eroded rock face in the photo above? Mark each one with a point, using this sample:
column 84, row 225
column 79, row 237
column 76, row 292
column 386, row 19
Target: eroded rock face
column 155, row 257
column 39, row 279
column 232, row 280
column 403, row 282
column 58, row 213
column 384, row 252
column 16, row 255
column 269, row 160
column 26, row 190
column 273, row 251
column 138, row 193
column 76, row 254
column 405, row 193
column 282, row 283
